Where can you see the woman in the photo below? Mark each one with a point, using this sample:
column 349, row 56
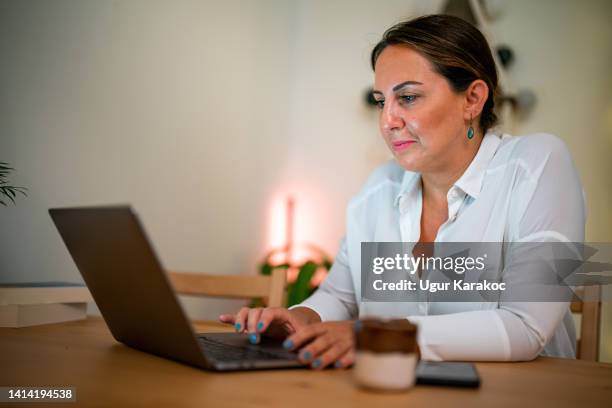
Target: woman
column 451, row 180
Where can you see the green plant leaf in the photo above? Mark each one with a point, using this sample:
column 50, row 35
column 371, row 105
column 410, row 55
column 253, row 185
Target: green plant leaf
column 7, row 191
column 265, row 269
column 300, row 289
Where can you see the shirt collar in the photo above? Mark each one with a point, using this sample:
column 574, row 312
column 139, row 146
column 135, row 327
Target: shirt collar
column 470, row 181
column 410, row 183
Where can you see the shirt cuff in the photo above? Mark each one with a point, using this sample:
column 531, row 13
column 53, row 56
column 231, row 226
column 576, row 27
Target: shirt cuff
column 465, row 336
column 326, row 306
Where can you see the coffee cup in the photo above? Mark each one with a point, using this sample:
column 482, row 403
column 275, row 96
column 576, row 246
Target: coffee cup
column 386, row 354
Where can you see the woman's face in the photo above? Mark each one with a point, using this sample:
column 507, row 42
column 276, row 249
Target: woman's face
column 422, row 119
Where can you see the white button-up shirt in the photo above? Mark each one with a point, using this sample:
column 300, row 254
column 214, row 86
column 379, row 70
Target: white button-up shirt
column 516, row 189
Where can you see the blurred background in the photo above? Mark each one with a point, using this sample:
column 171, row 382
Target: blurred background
column 206, row 115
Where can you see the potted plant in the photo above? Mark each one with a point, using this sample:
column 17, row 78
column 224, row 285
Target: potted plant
column 304, row 272
column 7, row 191
column 301, row 276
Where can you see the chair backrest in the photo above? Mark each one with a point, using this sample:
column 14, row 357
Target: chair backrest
column 588, row 344
column 271, row 287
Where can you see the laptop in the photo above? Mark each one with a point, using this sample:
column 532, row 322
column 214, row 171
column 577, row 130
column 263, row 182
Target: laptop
column 119, row 266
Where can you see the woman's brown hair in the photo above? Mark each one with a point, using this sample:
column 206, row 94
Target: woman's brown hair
column 456, row 49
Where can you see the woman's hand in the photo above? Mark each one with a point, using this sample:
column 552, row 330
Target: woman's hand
column 276, row 322
column 323, row 344
column 319, row 344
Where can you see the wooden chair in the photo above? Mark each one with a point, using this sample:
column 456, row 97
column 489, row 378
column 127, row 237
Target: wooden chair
column 588, row 344
column 270, row 288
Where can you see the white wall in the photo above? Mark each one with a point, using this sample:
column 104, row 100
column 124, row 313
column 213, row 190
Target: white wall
column 334, row 141
column 202, row 114
column 177, row 108
column 199, row 113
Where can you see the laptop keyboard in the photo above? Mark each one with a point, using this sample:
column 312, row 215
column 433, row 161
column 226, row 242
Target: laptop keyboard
column 225, row 352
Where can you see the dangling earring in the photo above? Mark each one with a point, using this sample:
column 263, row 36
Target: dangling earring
column 470, row 131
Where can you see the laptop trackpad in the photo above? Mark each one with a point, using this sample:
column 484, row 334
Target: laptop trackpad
column 242, row 340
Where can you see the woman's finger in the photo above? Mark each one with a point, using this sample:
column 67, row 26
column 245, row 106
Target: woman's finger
column 346, row 360
column 312, row 352
column 283, row 321
column 267, row 316
column 331, row 354
column 240, row 319
column 227, row 318
column 303, row 335
column 270, row 315
column 251, row 324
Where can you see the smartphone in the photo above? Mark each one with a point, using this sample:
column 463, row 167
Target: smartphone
column 448, row 373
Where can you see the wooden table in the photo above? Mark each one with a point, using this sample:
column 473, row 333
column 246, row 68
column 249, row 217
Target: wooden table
column 105, row 373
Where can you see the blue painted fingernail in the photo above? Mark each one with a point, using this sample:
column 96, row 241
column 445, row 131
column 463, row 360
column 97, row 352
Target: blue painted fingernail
column 306, row 356
column 316, row 363
column 288, row 344
column 237, row 326
column 253, row 338
column 338, row 364
column 259, row 326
